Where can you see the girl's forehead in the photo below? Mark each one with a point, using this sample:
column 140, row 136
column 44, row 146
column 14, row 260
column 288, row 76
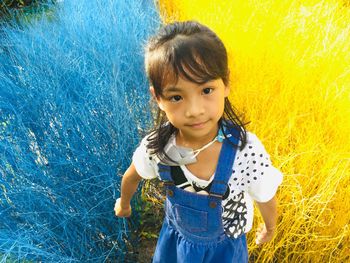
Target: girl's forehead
column 178, row 83
column 172, row 76
column 175, row 80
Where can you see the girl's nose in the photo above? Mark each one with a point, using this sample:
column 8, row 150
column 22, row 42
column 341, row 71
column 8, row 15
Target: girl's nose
column 195, row 107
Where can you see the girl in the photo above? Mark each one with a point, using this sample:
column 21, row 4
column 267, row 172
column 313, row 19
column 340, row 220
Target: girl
column 211, row 166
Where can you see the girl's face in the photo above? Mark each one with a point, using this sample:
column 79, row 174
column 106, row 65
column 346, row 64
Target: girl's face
column 194, row 109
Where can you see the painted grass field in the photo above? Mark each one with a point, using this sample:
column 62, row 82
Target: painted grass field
column 73, row 95
column 290, row 76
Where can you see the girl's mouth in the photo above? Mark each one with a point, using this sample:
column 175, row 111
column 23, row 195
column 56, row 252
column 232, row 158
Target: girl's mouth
column 197, row 125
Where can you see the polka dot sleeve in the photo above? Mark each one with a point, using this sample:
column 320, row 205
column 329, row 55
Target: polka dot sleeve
column 145, row 164
column 266, row 178
column 253, row 171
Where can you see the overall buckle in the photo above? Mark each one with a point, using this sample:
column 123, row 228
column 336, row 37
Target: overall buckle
column 168, row 183
column 215, row 195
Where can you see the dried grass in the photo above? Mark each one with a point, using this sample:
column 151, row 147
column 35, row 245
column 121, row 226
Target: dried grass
column 290, row 64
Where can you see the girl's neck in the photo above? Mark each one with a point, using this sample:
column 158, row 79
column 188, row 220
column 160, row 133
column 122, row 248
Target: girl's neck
column 194, row 142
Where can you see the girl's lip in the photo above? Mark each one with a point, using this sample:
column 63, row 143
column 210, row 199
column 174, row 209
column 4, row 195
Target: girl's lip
column 197, row 125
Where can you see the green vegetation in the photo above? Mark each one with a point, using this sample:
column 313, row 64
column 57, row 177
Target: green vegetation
column 24, row 10
column 151, row 213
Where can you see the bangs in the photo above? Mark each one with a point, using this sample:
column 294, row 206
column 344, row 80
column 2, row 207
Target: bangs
column 197, row 59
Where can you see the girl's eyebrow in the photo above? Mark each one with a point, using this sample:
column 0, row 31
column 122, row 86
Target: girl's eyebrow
column 172, row 89
column 178, row 89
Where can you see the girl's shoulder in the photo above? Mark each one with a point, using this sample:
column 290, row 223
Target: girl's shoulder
column 144, row 160
column 253, row 155
column 253, row 143
column 252, row 139
column 148, row 138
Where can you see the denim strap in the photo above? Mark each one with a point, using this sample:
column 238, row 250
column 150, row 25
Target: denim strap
column 224, row 168
column 164, row 172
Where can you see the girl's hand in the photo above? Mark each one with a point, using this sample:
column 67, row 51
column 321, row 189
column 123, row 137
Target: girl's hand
column 264, row 235
column 121, row 211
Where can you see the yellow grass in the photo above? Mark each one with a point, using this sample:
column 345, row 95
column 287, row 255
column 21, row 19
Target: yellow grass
column 290, row 64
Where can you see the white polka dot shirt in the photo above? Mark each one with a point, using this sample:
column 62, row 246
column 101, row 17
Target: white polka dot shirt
column 253, row 178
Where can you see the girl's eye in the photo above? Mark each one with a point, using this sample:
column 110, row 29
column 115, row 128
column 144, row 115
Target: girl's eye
column 175, row 98
column 207, row 90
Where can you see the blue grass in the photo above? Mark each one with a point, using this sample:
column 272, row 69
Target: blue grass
column 73, row 105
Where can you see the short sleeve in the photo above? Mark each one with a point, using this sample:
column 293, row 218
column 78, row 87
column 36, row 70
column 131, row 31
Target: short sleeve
column 145, row 163
column 265, row 178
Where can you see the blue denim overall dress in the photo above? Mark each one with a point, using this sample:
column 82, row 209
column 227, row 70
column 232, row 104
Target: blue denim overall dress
column 192, row 230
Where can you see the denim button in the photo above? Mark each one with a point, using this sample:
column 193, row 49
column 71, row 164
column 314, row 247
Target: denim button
column 212, row 204
column 170, row 193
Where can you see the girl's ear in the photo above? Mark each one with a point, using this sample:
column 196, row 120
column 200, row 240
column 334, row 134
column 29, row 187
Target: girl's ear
column 151, row 89
column 153, row 93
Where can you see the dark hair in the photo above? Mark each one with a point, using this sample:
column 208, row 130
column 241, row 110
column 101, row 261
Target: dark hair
column 194, row 52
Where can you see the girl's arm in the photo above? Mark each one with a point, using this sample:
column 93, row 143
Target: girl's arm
column 268, row 212
column 130, row 182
